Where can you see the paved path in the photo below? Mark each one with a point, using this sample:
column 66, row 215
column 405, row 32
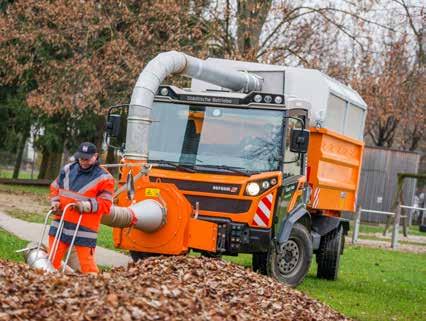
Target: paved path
column 32, row 231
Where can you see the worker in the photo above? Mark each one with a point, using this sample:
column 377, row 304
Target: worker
column 90, row 187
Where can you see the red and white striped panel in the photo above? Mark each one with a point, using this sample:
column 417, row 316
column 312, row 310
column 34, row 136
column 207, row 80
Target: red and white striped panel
column 263, row 212
column 315, row 197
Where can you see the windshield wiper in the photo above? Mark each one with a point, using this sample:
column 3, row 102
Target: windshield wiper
column 175, row 165
column 238, row 170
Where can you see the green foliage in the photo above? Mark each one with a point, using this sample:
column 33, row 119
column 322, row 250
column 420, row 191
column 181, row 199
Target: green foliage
column 52, row 132
column 16, row 117
column 4, row 4
column 84, row 127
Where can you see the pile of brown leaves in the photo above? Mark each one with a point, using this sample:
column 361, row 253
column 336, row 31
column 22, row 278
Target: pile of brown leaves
column 158, row 288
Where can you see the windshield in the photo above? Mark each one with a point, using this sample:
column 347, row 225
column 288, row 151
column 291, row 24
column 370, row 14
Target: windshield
column 216, row 137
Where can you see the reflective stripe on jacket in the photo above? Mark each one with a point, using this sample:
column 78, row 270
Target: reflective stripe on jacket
column 74, row 184
column 85, row 236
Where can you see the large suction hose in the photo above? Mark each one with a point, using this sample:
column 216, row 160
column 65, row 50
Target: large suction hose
column 163, row 65
column 150, row 216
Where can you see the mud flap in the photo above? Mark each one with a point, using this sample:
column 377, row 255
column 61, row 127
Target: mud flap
column 325, row 224
column 287, row 225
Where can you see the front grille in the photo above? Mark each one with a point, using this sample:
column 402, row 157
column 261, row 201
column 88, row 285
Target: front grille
column 184, row 185
column 217, row 204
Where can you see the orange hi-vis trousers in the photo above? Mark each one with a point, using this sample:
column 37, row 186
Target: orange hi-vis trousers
column 85, row 256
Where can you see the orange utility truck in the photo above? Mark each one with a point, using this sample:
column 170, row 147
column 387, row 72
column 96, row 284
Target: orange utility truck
column 253, row 158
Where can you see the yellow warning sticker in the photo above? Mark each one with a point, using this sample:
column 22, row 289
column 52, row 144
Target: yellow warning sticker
column 153, row 192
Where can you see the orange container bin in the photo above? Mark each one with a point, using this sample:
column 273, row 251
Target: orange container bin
column 334, row 167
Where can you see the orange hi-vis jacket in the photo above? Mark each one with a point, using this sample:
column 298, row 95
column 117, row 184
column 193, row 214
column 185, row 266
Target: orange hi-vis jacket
column 74, row 184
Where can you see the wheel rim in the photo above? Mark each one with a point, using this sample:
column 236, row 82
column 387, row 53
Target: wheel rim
column 288, row 257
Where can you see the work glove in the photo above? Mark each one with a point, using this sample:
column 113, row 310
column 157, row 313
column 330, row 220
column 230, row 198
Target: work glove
column 54, row 206
column 83, row 206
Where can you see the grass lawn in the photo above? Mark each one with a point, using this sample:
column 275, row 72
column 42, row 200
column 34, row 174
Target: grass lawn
column 19, row 189
column 365, row 228
column 374, row 285
column 375, row 238
column 9, row 244
column 8, row 173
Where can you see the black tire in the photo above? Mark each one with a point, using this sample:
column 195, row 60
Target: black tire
column 328, row 256
column 290, row 263
column 258, row 262
column 211, row 255
column 136, row 256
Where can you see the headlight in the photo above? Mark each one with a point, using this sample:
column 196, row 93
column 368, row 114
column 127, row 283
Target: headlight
column 260, row 186
column 253, row 189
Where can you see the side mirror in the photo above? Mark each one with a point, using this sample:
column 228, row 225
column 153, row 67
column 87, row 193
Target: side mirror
column 113, row 125
column 130, row 184
column 299, row 140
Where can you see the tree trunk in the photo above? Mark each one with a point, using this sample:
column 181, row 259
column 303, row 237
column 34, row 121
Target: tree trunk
column 251, row 16
column 20, row 153
column 43, row 164
column 100, row 129
column 53, row 165
column 111, row 159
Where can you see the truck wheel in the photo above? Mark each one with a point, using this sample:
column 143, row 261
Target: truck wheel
column 289, row 263
column 258, row 262
column 328, row 256
column 343, row 244
column 211, row 255
column 136, row 256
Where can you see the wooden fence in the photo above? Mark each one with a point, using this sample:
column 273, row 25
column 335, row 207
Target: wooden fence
column 378, row 182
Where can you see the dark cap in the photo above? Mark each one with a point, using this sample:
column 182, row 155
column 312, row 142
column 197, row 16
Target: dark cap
column 85, row 151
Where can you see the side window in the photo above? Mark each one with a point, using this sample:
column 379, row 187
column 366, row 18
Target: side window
column 354, row 120
column 292, row 160
column 335, row 117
